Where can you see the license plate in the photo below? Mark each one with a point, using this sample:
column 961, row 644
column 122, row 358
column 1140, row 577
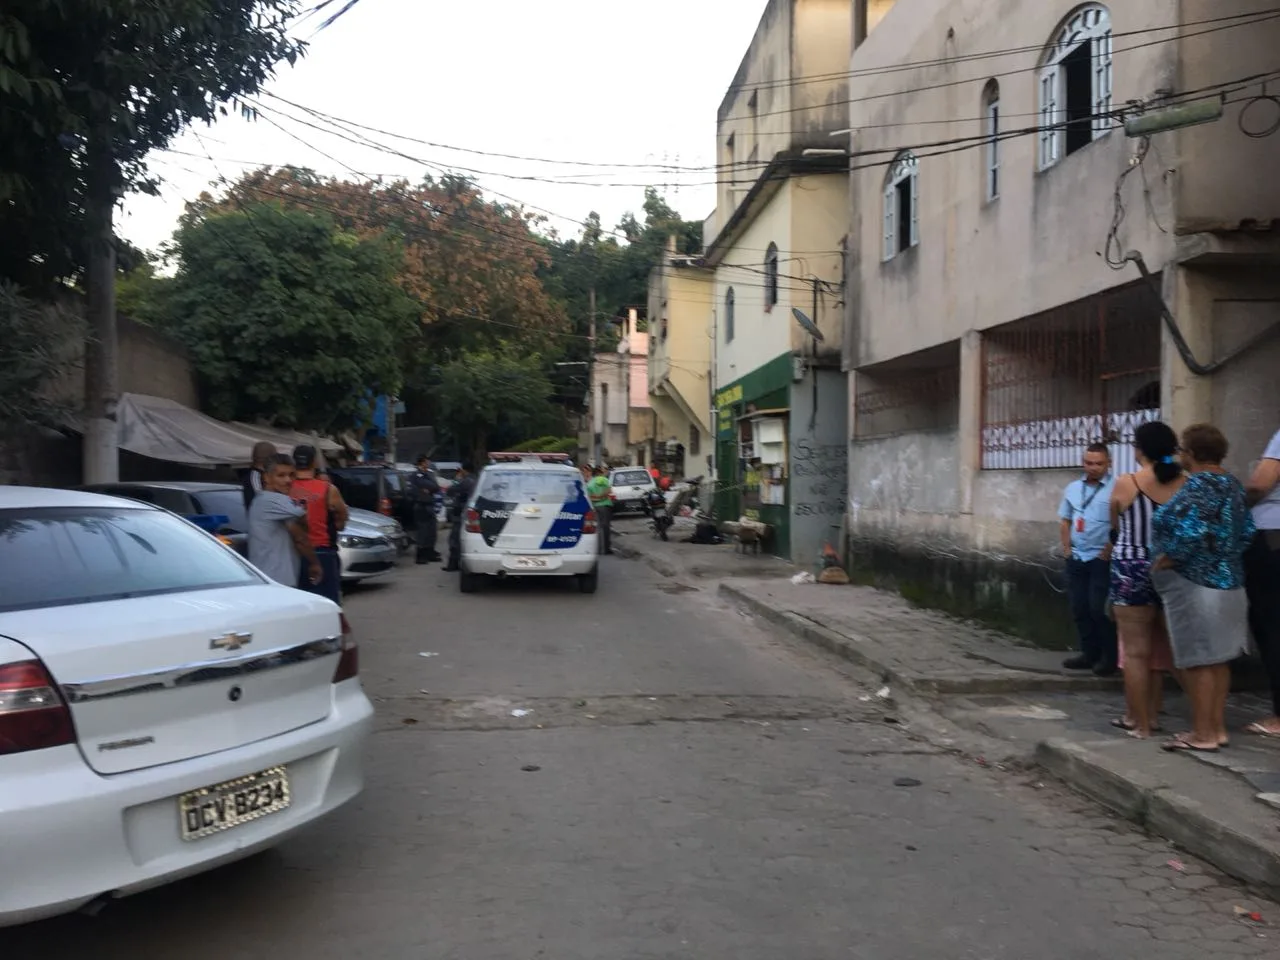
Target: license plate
column 531, row 563
column 226, row 805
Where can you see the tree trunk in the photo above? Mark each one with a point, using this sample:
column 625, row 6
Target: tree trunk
column 101, row 376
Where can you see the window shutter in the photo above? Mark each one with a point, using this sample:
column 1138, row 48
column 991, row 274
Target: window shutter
column 890, row 233
column 1050, row 136
column 1101, row 84
column 915, row 207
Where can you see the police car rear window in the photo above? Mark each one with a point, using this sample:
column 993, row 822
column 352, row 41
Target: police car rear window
column 529, row 486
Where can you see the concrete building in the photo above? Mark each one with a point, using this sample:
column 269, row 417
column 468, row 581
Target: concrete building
column 775, row 245
column 679, row 380
column 994, row 322
column 623, row 425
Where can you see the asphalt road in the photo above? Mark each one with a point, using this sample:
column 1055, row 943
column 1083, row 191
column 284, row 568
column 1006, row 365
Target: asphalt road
column 684, row 785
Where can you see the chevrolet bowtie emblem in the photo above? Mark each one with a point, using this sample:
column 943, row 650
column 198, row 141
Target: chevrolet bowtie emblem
column 230, row 641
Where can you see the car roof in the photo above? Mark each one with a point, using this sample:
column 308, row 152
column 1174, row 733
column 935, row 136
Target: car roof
column 523, row 465
column 186, row 486
column 26, row 498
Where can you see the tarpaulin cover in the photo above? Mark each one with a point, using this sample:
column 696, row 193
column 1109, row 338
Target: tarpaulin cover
column 166, row 430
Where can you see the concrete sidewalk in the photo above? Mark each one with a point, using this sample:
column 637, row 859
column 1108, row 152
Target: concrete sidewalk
column 1222, row 806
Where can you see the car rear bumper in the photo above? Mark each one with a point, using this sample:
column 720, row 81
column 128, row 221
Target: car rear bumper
column 507, row 565
column 72, row 836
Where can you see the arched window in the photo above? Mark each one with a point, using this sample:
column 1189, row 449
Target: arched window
column 1075, row 84
column 902, row 205
column 728, row 315
column 771, row 277
column 991, row 148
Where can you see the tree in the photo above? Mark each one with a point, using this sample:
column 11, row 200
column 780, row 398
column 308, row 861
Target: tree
column 287, row 317
column 89, row 89
column 39, row 346
column 482, row 393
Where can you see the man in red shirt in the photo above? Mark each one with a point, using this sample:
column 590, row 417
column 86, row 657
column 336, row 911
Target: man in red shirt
column 326, row 514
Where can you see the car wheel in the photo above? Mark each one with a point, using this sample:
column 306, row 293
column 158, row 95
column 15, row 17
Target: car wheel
column 468, row 582
column 588, row 582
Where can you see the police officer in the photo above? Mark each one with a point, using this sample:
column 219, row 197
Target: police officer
column 423, row 490
column 464, row 485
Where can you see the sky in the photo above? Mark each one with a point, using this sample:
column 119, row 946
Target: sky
column 602, row 82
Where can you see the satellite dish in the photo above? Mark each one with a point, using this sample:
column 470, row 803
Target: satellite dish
column 803, row 319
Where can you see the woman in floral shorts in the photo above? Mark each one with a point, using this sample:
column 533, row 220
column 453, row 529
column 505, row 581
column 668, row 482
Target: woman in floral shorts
column 1145, row 655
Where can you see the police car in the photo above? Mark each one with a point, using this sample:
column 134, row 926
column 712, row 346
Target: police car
column 529, row 517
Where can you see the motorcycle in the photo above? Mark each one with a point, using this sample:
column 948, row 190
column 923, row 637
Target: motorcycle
column 654, row 502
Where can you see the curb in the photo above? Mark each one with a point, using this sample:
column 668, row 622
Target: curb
column 848, row 648
column 1163, row 812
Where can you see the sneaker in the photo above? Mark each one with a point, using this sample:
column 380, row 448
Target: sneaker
column 1105, row 670
column 1080, row 662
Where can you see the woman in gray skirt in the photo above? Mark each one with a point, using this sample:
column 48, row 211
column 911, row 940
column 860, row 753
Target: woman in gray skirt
column 1199, row 537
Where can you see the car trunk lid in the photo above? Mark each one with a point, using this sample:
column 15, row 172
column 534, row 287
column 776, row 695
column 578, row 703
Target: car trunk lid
column 155, row 680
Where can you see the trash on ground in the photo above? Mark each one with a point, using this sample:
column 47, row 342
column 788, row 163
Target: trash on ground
column 804, row 576
column 1252, row 916
column 531, row 768
column 521, row 713
column 891, row 720
column 1178, row 865
column 409, row 720
column 882, row 693
column 906, row 782
column 426, row 654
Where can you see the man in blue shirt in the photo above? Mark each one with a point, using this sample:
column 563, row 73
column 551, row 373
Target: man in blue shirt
column 1085, row 529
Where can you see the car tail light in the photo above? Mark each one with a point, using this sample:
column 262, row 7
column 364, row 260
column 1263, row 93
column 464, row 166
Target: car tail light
column 473, row 521
column 589, row 522
column 33, row 715
column 349, row 662
column 384, row 507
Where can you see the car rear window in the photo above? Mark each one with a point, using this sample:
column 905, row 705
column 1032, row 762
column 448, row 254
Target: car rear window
column 631, row 477
column 60, row 555
column 226, row 503
column 529, row 486
column 358, row 487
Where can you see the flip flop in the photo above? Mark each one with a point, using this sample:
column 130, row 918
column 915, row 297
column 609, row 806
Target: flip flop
column 1259, row 730
column 1175, row 744
column 1129, row 726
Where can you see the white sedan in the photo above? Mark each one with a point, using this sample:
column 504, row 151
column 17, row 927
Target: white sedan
column 164, row 707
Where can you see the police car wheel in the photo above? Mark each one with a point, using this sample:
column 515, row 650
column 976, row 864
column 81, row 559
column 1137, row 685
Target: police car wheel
column 588, row 582
column 468, row 582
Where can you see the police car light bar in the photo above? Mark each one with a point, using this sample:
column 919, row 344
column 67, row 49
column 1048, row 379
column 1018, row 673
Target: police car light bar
column 522, row 457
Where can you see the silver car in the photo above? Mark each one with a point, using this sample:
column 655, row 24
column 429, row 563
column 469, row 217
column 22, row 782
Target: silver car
column 364, row 552
column 389, row 527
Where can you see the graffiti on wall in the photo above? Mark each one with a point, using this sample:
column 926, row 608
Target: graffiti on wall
column 819, row 478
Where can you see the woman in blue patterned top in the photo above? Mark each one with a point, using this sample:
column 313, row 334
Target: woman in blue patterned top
column 1200, row 536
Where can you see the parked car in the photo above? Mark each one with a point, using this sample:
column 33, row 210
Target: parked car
column 194, row 501
column 164, row 707
column 632, row 487
column 376, row 487
column 368, row 546
column 529, row 518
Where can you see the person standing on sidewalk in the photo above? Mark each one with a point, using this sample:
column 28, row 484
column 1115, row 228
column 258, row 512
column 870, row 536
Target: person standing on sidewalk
column 1262, row 577
column 1199, row 538
column 251, row 481
column 326, row 514
column 600, row 494
column 424, row 489
column 1144, row 643
column 1085, row 531
column 464, row 485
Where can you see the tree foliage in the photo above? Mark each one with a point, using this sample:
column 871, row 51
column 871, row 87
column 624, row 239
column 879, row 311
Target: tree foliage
column 88, row 89
column 39, row 347
column 484, row 393
column 288, row 318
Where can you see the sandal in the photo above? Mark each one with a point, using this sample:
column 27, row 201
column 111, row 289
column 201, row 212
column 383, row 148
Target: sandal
column 1186, row 734
column 1259, row 730
column 1127, row 725
column 1174, row 744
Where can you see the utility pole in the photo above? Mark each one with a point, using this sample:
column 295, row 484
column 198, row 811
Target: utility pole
column 101, row 376
column 591, row 380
